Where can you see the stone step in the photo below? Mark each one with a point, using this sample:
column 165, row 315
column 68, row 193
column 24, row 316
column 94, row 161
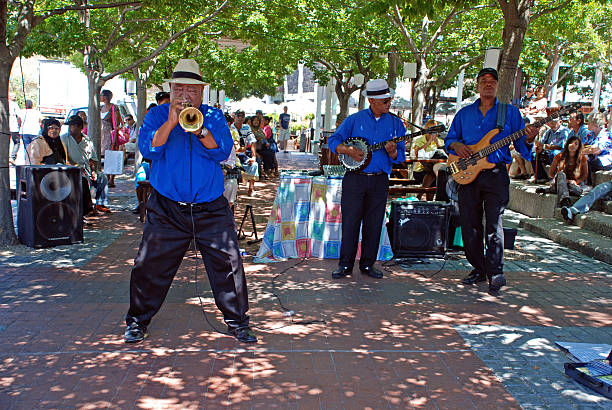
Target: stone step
column 594, row 221
column 574, row 237
column 603, row 206
column 523, row 199
column 602, row 176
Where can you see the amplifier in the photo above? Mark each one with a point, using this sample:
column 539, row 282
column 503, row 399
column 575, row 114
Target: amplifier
column 419, row 228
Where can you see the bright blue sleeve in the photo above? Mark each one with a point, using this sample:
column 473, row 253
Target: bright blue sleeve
column 215, row 122
column 401, row 146
column 154, row 119
column 454, row 133
column 517, row 123
column 343, row 132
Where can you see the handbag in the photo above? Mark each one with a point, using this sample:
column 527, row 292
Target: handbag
column 120, row 135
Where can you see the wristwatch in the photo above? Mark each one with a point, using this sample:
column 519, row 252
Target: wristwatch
column 204, row 133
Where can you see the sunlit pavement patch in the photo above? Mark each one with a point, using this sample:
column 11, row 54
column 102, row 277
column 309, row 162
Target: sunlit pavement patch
column 64, row 256
column 530, row 365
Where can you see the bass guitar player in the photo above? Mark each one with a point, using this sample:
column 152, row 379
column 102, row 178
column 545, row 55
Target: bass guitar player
column 488, row 194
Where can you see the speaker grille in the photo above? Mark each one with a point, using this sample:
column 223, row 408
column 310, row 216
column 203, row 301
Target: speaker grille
column 56, row 221
column 55, row 186
column 419, row 228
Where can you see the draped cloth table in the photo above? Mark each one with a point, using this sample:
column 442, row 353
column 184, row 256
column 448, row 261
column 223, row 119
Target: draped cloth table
column 306, row 221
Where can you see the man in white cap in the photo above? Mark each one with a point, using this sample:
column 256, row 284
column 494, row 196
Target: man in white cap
column 187, row 204
column 364, row 193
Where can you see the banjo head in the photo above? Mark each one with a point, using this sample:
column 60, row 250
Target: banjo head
column 348, row 161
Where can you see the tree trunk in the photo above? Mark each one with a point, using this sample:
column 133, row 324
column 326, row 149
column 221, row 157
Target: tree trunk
column 362, row 99
column 94, row 70
column 434, row 102
column 344, row 96
column 394, row 59
column 515, row 27
column 418, row 96
column 7, row 229
column 141, row 98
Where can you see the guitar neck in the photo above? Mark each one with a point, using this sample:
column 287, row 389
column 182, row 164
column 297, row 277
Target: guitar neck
column 514, row 136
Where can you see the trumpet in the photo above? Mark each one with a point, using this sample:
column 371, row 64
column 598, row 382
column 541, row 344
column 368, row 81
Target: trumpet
column 191, row 118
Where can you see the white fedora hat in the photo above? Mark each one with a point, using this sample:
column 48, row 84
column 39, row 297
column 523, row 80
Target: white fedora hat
column 377, row 88
column 187, row 71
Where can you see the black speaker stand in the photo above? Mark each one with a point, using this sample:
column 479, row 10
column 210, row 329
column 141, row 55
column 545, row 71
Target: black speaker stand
column 241, row 235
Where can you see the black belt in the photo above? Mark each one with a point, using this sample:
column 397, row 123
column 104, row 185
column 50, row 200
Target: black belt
column 184, row 206
column 368, row 173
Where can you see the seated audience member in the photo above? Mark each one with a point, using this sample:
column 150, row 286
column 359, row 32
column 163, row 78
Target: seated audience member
column 425, row 146
column 47, row 149
column 82, row 153
column 527, row 98
column 144, row 170
column 569, row 171
column 231, row 168
column 265, row 156
column 545, row 149
column 131, row 146
column 270, row 138
column 246, row 152
column 162, row 97
column 600, row 150
column 83, row 116
column 578, row 128
column 537, row 107
column 601, row 191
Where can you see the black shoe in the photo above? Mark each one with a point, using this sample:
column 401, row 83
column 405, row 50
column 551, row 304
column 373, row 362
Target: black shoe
column 341, row 272
column 474, row 277
column 540, row 190
column 567, row 214
column 372, row 272
column 497, row 281
column 565, row 202
column 244, row 334
column 135, row 333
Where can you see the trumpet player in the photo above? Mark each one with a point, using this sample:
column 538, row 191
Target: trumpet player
column 187, row 203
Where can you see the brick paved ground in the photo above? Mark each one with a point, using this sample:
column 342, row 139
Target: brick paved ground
column 413, row 339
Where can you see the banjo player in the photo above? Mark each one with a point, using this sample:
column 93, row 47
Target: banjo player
column 364, row 193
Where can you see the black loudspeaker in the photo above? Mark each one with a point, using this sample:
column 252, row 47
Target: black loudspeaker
column 419, row 229
column 49, row 208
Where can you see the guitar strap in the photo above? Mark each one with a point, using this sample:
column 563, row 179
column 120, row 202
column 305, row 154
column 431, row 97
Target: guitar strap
column 502, row 108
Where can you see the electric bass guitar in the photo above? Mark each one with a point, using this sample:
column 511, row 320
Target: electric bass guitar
column 360, row 143
column 465, row 170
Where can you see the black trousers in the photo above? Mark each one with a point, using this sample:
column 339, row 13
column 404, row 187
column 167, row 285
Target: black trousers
column 364, row 198
column 167, row 235
column 488, row 195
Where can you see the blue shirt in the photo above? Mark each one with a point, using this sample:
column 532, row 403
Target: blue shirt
column 586, row 136
column 558, row 138
column 182, row 152
column 363, row 124
column 604, row 141
column 284, row 120
column 469, row 126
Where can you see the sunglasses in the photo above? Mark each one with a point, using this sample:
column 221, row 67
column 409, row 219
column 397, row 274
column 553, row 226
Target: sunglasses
column 386, row 100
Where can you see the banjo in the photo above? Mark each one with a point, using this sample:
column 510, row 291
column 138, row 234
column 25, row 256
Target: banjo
column 360, row 143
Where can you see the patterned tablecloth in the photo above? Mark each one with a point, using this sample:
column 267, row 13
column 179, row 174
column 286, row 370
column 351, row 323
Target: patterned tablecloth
column 306, row 221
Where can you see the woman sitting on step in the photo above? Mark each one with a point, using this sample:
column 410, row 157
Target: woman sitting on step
column 569, row 171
